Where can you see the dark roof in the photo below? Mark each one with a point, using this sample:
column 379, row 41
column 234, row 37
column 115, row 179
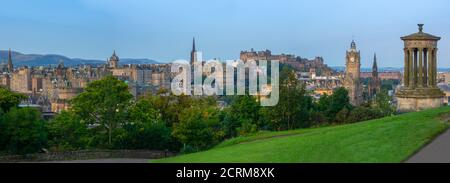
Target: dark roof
column 421, row 35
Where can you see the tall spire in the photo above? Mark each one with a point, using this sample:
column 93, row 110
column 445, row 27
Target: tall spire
column 375, row 66
column 193, row 44
column 10, row 65
column 375, row 60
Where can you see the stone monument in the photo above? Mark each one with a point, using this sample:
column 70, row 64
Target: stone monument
column 419, row 90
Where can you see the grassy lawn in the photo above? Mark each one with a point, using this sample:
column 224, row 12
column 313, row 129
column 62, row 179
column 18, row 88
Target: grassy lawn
column 390, row 139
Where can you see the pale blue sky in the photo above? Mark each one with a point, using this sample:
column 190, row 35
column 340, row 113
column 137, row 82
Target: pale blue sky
column 163, row 29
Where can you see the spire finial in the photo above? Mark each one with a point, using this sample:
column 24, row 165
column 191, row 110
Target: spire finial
column 420, row 27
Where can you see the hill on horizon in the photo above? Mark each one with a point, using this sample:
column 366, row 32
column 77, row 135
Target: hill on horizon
column 20, row 59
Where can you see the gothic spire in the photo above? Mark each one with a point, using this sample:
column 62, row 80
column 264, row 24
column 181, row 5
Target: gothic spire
column 375, row 61
column 193, row 45
column 10, row 65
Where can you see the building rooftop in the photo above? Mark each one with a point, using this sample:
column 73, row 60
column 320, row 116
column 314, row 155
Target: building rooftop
column 421, row 35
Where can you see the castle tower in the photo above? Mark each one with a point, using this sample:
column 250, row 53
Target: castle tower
column 10, row 66
column 375, row 82
column 352, row 75
column 193, row 52
column 419, row 90
column 113, row 61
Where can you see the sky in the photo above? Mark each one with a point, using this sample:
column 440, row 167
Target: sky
column 163, row 29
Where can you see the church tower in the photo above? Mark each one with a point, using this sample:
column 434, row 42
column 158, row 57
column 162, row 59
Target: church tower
column 113, row 61
column 10, row 65
column 352, row 75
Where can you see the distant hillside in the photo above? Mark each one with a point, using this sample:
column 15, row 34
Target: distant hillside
column 20, row 59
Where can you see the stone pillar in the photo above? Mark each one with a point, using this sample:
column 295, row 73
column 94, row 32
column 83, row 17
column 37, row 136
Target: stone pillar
column 406, row 69
column 425, row 66
column 430, row 66
column 434, row 67
column 411, row 67
column 420, row 81
column 416, row 70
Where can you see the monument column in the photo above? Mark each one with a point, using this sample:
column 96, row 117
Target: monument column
column 430, row 66
column 420, row 50
column 434, row 67
column 425, row 66
column 411, row 67
column 406, row 68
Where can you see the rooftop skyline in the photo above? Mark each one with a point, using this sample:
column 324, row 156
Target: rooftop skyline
column 163, row 29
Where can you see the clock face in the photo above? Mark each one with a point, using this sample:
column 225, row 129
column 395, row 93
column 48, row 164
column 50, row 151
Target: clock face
column 352, row 59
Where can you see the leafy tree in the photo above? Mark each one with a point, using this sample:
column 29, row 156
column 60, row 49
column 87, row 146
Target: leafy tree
column 105, row 103
column 22, row 131
column 294, row 106
column 9, row 99
column 68, row 131
column 383, row 103
column 198, row 127
column 169, row 105
column 242, row 116
column 324, row 103
column 338, row 101
column 145, row 129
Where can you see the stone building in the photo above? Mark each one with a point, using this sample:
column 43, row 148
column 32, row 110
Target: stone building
column 298, row 63
column 21, row 80
column 352, row 75
column 375, row 81
column 113, row 61
column 386, row 75
column 419, row 90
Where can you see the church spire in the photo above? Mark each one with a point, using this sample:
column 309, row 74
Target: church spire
column 375, row 61
column 193, row 52
column 10, row 65
column 375, row 66
column 193, row 45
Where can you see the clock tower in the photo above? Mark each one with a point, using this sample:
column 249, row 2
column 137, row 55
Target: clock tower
column 352, row 75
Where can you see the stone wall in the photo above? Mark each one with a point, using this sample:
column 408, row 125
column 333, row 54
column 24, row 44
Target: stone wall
column 87, row 154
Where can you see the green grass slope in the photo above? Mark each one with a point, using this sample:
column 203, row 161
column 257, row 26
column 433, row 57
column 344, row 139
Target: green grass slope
column 390, row 139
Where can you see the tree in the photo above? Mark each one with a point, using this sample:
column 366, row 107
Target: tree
column 169, row 105
column 22, row 131
column 67, row 131
column 294, row 106
column 338, row 101
column 145, row 129
column 383, row 103
column 242, row 116
column 9, row 99
column 198, row 127
column 104, row 102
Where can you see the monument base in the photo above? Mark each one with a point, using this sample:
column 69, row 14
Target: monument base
column 410, row 100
